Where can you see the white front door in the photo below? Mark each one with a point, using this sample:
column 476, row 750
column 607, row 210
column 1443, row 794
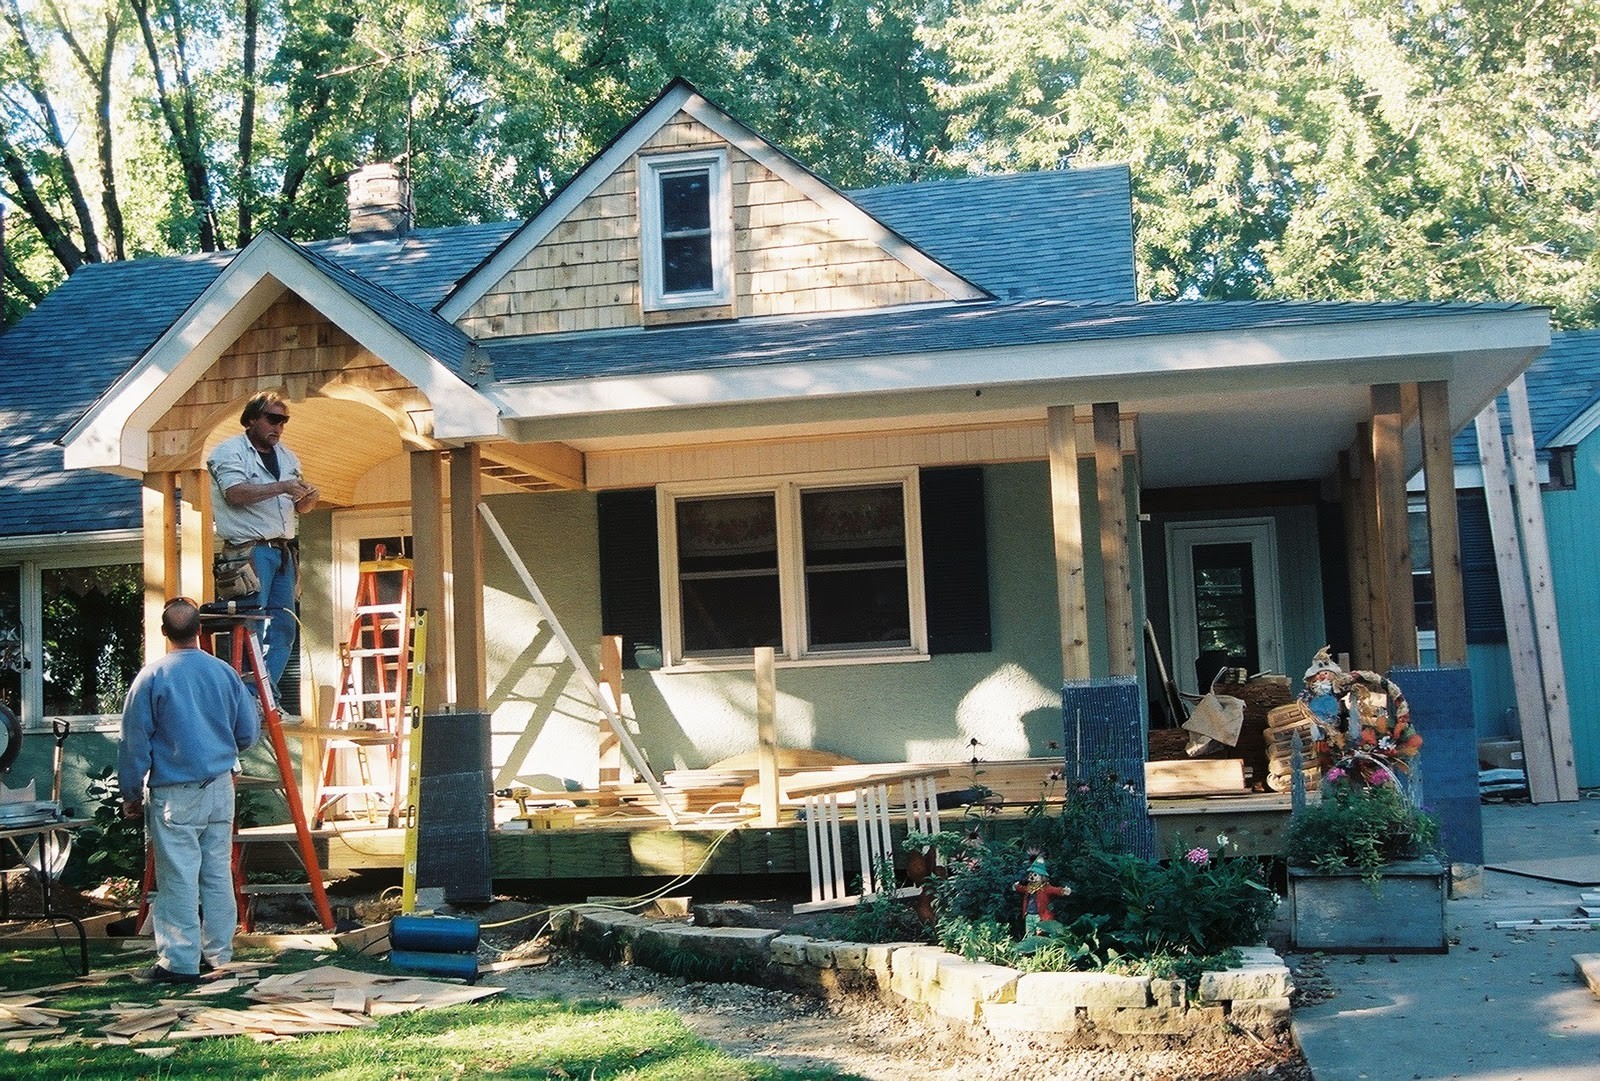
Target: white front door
column 1224, row 596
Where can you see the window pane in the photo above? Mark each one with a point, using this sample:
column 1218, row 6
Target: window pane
column 855, row 567
column 1225, row 602
column 11, row 638
column 728, row 573
column 93, row 637
column 686, row 264
column 685, row 202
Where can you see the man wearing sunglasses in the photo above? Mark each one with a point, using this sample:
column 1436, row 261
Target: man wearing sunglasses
column 257, row 492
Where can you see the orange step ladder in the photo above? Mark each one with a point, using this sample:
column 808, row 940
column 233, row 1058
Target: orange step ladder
column 374, row 696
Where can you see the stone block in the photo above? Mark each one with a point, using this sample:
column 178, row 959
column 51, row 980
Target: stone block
column 1083, row 989
column 1260, row 1015
column 1251, row 981
column 819, row 953
column 788, row 949
column 1015, row 1021
column 978, row 981
column 1157, row 1020
column 726, row 914
column 1171, row 994
column 850, row 956
column 1586, row 966
column 953, row 1004
column 916, row 971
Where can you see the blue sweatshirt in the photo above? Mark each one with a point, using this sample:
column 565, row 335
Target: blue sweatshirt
column 187, row 718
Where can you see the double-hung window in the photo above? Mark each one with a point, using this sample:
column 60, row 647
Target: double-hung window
column 818, row 568
column 685, row 230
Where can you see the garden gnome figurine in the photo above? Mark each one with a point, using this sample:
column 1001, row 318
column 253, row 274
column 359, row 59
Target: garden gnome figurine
column 1036, row 894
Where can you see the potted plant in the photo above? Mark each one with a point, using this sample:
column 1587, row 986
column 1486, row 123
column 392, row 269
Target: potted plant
column 1364, row 867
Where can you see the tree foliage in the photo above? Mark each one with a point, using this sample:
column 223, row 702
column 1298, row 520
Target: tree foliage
column 1279, row 147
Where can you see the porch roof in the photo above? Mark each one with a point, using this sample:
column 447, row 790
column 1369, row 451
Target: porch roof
column 1563, row 397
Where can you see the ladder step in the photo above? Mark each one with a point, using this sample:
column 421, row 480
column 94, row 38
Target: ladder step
column 381, row 651
column 256, row 890
column 380, row 610
column 351, row 790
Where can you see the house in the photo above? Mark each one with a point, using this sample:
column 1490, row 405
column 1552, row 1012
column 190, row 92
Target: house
column 1563, row 394
column 923, row 440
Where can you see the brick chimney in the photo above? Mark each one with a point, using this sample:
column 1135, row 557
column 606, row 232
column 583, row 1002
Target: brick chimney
column 380, row 203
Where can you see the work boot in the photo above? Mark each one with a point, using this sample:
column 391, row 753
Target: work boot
column 163, row 974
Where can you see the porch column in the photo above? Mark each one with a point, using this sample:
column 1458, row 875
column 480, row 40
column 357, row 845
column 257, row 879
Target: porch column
column 1358, row 567
column 1394, row 530
column 466, row 566
column 1066, row 515
column 1113, row 501
column 427, row 572
column 1444, row 537
column 160, row 556
column 196, row 541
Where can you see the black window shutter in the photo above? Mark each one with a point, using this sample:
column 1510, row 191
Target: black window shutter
column 630, row 572
column 955, row 560
column 1480, row 577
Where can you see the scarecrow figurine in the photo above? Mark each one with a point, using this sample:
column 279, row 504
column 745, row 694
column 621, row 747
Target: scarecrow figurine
column 1325, row 687
column 1036, row 894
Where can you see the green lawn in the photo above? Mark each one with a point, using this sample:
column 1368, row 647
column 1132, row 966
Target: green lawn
column 497, row 1037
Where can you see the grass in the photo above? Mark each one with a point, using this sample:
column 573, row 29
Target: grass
column 498, row 1037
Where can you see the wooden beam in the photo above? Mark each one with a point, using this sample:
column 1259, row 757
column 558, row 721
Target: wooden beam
column 767, row 735
column 610, row 747
column 1377, row 581
column 427, row 572
column 1538, row 758
column 194, row 530
column 1358, row 567
column 466, row 567
column 1066, row 516
column 1110, row 480
column 1394, row 523
column 159, row 556
column 1444, row 535
column 1541, row 590
column 554, row 465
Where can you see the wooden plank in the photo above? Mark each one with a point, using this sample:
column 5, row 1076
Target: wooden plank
column 1394, row 526
column 1541, row 590
column 466, row 565
column 1538, row 756
column 610, row 747
column 767, row 733
column 160, row 557
column 1066, row 515
column 1194, row 777
column 1358, row 570
column 1444, row 537
column 427, row 570
column 1117, row 574
column 1377, row 581
column 194, row 530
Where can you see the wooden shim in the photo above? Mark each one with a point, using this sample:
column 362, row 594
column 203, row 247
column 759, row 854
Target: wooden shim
column 1541, row 590
column 350, row 999
column 1538, row 757
column 1554, row 925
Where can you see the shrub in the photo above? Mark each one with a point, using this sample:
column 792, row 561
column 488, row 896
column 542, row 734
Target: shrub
column 1361, row 827
column 109, row 846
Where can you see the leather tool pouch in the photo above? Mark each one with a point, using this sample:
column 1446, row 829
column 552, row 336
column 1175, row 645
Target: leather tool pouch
column 233, row 573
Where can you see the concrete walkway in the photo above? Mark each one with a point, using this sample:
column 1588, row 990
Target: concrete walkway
column 1501, row 1005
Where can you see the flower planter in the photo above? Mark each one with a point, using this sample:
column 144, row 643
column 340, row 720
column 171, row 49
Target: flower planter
column 1337, row 912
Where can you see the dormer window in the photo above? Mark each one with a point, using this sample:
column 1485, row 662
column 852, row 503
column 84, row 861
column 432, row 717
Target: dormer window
column 685, row 231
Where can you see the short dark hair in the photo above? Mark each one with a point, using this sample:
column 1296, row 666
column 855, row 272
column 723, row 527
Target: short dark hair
column 180, row 620
column 259, row 405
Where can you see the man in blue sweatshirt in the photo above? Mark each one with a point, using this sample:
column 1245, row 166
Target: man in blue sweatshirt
column 187, row 718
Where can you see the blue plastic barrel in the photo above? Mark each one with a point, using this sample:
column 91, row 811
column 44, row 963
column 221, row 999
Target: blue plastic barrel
column 438, row 934
column 459, row 965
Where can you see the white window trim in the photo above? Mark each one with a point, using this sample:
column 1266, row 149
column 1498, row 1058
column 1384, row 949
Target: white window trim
column 651, row 169
column 795, row 651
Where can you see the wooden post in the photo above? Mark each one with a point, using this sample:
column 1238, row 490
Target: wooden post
column 1538, row 759
column 1377, row 581
column 160, row 557
column 767, row 735
column 1541, row 590
column 1444, row 535
column 1359, row 569
column 1394, row 525
column 194, row 529
column 1066, row 515
column 610, row 749
column 1110, row 480
column 466, row 565
column 427, row 572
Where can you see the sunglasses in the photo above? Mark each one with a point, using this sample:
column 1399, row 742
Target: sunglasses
column 275, row 419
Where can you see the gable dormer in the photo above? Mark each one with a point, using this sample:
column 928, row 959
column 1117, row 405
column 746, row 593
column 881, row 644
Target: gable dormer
column 688, row 216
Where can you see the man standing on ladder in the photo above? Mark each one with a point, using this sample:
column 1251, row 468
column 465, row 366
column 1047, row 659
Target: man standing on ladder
column 257, row 492
column 187, row 719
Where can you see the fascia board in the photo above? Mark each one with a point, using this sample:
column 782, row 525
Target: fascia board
column 834, row 201
column 45, row 546
column 1429, row 347
column 553, row 213
column 1577, row 429
column 114, row 434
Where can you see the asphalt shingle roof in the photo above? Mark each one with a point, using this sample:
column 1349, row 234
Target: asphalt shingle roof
column 919, row 330
column 1563, row 383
